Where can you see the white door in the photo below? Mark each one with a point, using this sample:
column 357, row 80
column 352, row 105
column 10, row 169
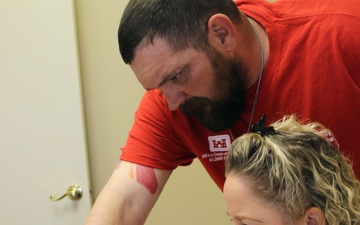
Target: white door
column 42, row 140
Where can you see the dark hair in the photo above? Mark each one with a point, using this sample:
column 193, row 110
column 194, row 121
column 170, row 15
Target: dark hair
column 182, row 23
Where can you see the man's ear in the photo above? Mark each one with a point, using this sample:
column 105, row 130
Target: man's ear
column 314, row 216
column 221, row 33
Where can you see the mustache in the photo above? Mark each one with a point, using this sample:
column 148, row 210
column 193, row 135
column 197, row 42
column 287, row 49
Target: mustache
column 214, row 115
column 196, row 106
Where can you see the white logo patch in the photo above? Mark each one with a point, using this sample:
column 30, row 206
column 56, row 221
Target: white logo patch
column 219, row 143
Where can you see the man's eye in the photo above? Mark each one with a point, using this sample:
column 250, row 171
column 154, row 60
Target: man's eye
column 176, row 77
column 180, row 77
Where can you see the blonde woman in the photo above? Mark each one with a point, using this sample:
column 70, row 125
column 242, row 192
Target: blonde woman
column 289, row 174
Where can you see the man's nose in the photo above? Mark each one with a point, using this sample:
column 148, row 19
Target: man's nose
column 173, row 97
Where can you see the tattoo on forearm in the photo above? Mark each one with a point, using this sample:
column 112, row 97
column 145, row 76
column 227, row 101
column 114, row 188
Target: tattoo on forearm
column 146, row 177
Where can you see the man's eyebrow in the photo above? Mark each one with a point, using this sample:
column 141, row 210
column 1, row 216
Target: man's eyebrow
column 168, row 77
column 165, row 79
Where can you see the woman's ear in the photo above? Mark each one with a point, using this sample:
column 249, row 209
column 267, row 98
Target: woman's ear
column 314, row 216
column 221, row 33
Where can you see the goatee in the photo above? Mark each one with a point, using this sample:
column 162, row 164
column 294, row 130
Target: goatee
column 230, row 90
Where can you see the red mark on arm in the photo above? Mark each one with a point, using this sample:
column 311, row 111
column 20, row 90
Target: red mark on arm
column 146, row 177
column 118, row 165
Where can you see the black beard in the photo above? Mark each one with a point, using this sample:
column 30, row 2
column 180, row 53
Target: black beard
column 221, row 114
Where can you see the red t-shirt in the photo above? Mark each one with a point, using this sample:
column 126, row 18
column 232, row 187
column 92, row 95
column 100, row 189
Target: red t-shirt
column 313, row 71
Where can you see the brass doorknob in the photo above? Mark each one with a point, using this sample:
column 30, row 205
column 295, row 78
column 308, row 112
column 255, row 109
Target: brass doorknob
column 74, row 192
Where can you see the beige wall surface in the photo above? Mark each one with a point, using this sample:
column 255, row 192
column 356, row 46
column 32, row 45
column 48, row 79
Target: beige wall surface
column 111, row 96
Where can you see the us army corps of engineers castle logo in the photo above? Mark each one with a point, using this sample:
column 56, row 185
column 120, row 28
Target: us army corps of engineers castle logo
column 219, row 147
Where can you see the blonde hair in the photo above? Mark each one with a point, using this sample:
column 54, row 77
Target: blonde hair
column 297, row 168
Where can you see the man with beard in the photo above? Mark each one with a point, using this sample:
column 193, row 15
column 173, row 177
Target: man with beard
column 211, row 69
